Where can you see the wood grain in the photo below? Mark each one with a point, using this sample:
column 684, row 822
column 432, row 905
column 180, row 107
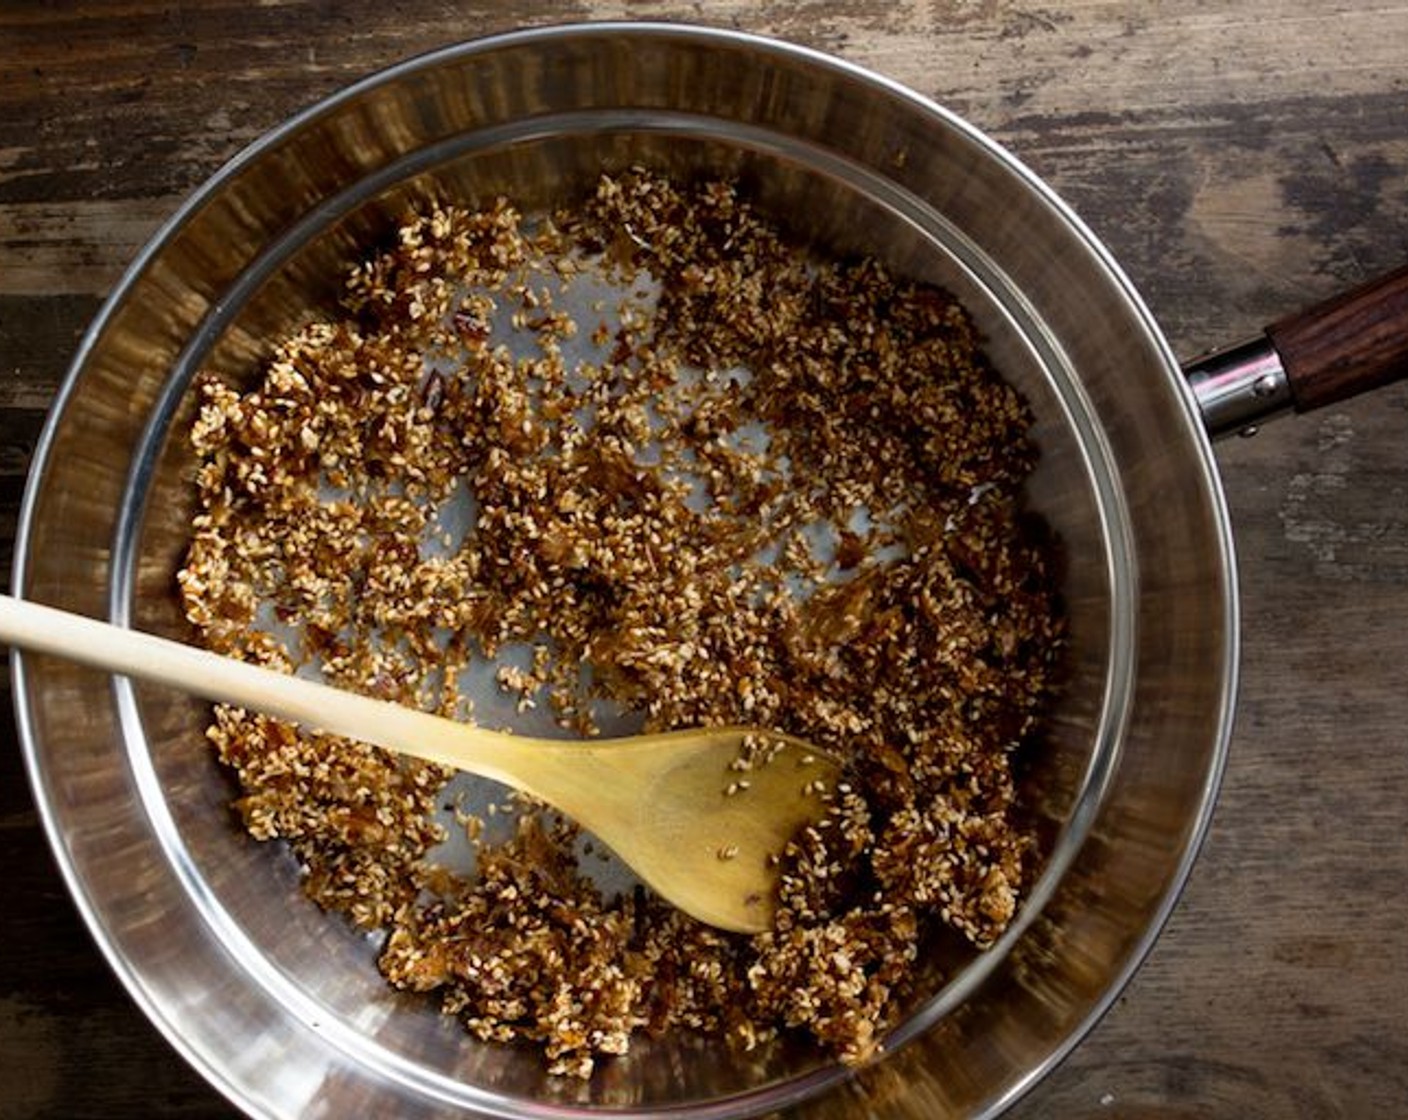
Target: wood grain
column 1347, row 345
column 1240, row 159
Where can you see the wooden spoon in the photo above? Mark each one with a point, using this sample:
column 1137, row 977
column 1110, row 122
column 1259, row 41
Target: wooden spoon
column 675, row 807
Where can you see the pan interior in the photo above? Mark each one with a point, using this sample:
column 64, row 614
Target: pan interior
column 250, row 894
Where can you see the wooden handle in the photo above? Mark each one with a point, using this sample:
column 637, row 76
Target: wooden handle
column 1347, row 345
column 205, row 674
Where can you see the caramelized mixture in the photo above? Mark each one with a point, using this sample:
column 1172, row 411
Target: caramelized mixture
column 775, row 490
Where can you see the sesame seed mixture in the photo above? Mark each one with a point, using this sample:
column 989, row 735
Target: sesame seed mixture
column 777, row 491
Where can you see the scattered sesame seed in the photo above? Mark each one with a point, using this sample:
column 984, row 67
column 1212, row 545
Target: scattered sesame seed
column 754, row 504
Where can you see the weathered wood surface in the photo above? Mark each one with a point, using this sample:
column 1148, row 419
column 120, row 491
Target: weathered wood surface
column 1240, row 159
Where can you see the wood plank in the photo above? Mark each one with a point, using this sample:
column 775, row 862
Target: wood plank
column 74, row 247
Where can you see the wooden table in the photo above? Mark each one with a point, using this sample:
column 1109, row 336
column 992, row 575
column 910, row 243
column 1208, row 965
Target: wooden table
column 1240, row 159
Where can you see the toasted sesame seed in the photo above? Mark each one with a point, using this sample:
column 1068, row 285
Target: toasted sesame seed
column 784, row 491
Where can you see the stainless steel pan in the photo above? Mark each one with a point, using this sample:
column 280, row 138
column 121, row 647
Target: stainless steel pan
column 278, row 1006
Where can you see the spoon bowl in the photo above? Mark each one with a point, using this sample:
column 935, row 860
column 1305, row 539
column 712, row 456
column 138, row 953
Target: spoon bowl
column 702, row 816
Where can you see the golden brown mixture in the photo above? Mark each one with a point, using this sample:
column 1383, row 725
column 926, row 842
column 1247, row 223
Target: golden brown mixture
column 776, row 491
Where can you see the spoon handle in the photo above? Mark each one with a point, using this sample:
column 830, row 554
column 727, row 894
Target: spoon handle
column 211, row 676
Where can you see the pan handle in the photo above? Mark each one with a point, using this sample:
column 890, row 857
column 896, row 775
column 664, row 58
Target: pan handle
column 1347, row 345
